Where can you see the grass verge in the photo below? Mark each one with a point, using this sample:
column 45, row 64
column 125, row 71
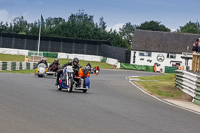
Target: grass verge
column 21, row 58
column 8, row 57
column 162, row 86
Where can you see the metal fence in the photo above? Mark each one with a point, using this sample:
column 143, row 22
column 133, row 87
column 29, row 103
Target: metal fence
column 189, row 83
column 122, row 54
column 66, row 45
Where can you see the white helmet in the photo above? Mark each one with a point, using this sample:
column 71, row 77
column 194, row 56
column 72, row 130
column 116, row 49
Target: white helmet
column 44, row 58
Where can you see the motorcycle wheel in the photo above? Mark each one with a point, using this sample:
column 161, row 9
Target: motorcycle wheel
column 84, row 91
column 59, row 88
column 70, row 85
column 40, row 76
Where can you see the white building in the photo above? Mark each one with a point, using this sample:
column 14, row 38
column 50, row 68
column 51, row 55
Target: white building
column 163, row 48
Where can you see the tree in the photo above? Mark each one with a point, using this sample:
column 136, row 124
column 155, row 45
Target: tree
column 126, row 32
column 190, row 27
column 102, row 24
column 51, row 24
column 154, row 26
column 20, row 25
column 79, row 26
column 81, row 17
column 3, row 27
column 34, row 28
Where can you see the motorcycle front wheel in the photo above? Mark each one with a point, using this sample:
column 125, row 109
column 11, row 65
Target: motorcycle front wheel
column 70, row 80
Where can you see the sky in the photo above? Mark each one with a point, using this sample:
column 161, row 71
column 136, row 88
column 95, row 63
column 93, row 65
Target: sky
column 171, row 13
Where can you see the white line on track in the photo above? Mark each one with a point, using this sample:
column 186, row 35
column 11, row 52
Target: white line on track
column 163, row 100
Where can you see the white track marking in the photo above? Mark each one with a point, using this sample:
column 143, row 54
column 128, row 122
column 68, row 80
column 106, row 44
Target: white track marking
column 164, row 100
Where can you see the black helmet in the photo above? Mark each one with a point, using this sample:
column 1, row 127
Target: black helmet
column 75, row 60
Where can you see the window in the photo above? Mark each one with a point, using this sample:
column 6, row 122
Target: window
column 145, row 54
column 171, row 56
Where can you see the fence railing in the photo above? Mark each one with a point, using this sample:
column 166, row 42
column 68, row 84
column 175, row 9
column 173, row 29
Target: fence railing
column 189, row 83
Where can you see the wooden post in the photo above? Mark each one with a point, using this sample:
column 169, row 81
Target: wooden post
column 195, row 62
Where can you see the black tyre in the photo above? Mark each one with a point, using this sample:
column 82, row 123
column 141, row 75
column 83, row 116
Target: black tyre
column 59, row 88
column 84, row 91
column 40, row 76
column 70, row 85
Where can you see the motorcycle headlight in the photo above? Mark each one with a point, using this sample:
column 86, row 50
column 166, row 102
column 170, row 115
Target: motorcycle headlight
column 42, row 70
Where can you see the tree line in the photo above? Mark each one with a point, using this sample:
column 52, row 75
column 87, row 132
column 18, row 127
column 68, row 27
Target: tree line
column 82, row 26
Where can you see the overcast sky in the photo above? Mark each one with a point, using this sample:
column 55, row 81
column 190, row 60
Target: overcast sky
column 171, row 13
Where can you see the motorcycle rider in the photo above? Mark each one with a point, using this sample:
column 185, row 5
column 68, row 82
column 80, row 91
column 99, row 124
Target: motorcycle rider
column 44, row 60
column 84, row 72
column 54, row 66
column 96, row 68
column 74, row 65
column 89, row 67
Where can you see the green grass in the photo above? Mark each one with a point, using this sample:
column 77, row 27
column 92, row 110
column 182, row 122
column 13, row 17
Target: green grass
column 83, row 63
column 21, row 58
column 8, row 57
column 163, row 86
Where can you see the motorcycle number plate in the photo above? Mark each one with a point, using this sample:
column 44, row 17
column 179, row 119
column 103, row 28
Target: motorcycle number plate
column 69, row 69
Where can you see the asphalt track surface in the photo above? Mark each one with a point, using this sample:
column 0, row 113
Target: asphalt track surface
column 33, row 105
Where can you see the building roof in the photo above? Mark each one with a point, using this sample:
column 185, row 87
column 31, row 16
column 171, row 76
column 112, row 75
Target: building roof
column 167, row 42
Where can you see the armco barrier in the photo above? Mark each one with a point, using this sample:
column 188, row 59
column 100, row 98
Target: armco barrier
column 188, row 83
column 136, row 67
column 80, row 57
column 88, row 58
column 11, row 66
column 13, row 51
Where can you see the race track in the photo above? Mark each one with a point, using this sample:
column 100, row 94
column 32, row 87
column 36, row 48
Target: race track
column 33, row 105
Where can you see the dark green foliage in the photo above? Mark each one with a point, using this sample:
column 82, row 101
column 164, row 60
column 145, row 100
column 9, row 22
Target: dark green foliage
column 153, row 26
column 78, row 26
column 127, row 33
column 190, row 27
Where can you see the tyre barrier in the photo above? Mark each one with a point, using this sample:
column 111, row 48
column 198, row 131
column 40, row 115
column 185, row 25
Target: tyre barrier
column 11, row 66
column 189, row 83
